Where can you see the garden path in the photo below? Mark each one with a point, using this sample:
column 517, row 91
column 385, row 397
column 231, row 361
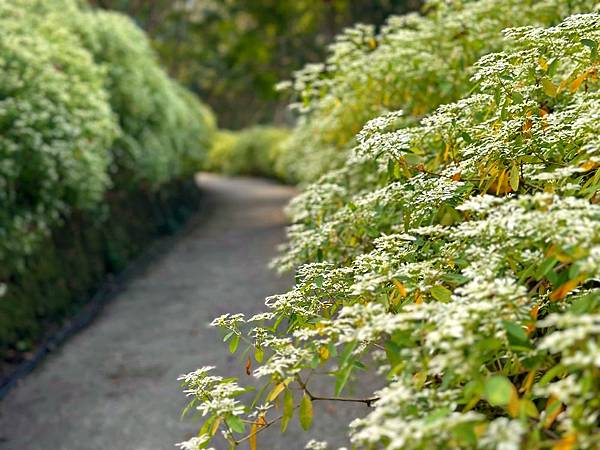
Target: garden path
column 113, row 386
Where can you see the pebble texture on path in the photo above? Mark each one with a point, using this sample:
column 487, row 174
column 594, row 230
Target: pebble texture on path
column 114, row 387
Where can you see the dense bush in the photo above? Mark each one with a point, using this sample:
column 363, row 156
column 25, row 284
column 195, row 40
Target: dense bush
column 253, row 151
column 416, row 62
column 56, row 129
column 165, row 132
column 454, row 255
column 85, row 109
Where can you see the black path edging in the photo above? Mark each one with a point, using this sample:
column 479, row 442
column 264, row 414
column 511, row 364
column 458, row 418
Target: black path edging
column 107, row 291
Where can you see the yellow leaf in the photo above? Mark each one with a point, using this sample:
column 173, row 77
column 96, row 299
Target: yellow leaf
column 553, row 409
column 528, row 382
column 323, row 354
column 563, row 290
column 528, row 408
column 588, row 165
column 577, row 81
column 400, row 287
column 215, row 426
column 543, row 63
column 419, row 379
column 566, row 443
column 276, row 391
column 514, row 404
column 418, row 298
column 447, row 151
column 252, row 439
column 471, row 404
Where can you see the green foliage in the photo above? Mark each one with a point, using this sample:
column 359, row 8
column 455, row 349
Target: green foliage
column 454, row 254
column 233, row 52
column 84, row 109
column 165, row 132
column 56, row 129
column 253, row 151
column 415, row 63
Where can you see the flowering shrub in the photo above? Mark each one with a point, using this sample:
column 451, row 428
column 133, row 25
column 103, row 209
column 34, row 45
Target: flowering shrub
column 84, row 109
column 415, row 63
column 166, row 132
column 56, row 128
column 455, row 256
column 83, row 106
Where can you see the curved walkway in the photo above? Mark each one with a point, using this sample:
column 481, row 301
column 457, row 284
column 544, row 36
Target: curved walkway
column 113, row 386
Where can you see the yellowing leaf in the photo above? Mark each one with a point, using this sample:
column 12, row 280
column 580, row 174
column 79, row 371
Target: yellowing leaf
column 252, row 439
column 419, row 379
column 514, row 404
column 418, row 298
column 400, row 287
column 553, row 409
column 527, row 408
column 566, row 443
column 563, row 290
column 500, row 181
column 588, row 165
column 577, row 81
column 515, row 176
column 276, row 391
column 288, row 409
column 550, row 88
column 528, row 382
column 215, row 426
column 306, row 412
column 323, row 354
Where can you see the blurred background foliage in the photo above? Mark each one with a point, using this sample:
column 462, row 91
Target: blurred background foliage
column 232, row 52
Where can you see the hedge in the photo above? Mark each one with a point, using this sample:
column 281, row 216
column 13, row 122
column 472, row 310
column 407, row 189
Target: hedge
column 86, row 114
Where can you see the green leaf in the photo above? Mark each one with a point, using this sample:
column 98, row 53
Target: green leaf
column 498, row 390
column 259, row 354
column 516, row 334
column 306, row 412
column 227, row 336
column 233, row 344
column 441, row 294
column 584, row 304
column 545, row 267
column 288, row 409
column 342, row 378
column 551, row 374
column 236, row 424
column 592, row 45
column 515, row 176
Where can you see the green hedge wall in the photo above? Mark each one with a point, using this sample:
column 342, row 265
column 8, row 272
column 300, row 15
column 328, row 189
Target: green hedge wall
column 86, row 115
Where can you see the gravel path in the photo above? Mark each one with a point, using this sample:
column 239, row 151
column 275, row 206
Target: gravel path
column 113, row 386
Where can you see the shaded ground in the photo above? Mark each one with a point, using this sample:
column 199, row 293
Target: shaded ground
column 113, row 386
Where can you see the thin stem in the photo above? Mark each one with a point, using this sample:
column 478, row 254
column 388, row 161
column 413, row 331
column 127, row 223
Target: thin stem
column 368, row 401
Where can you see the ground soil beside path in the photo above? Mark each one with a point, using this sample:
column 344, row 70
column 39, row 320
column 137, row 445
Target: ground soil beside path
column 114, row 385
